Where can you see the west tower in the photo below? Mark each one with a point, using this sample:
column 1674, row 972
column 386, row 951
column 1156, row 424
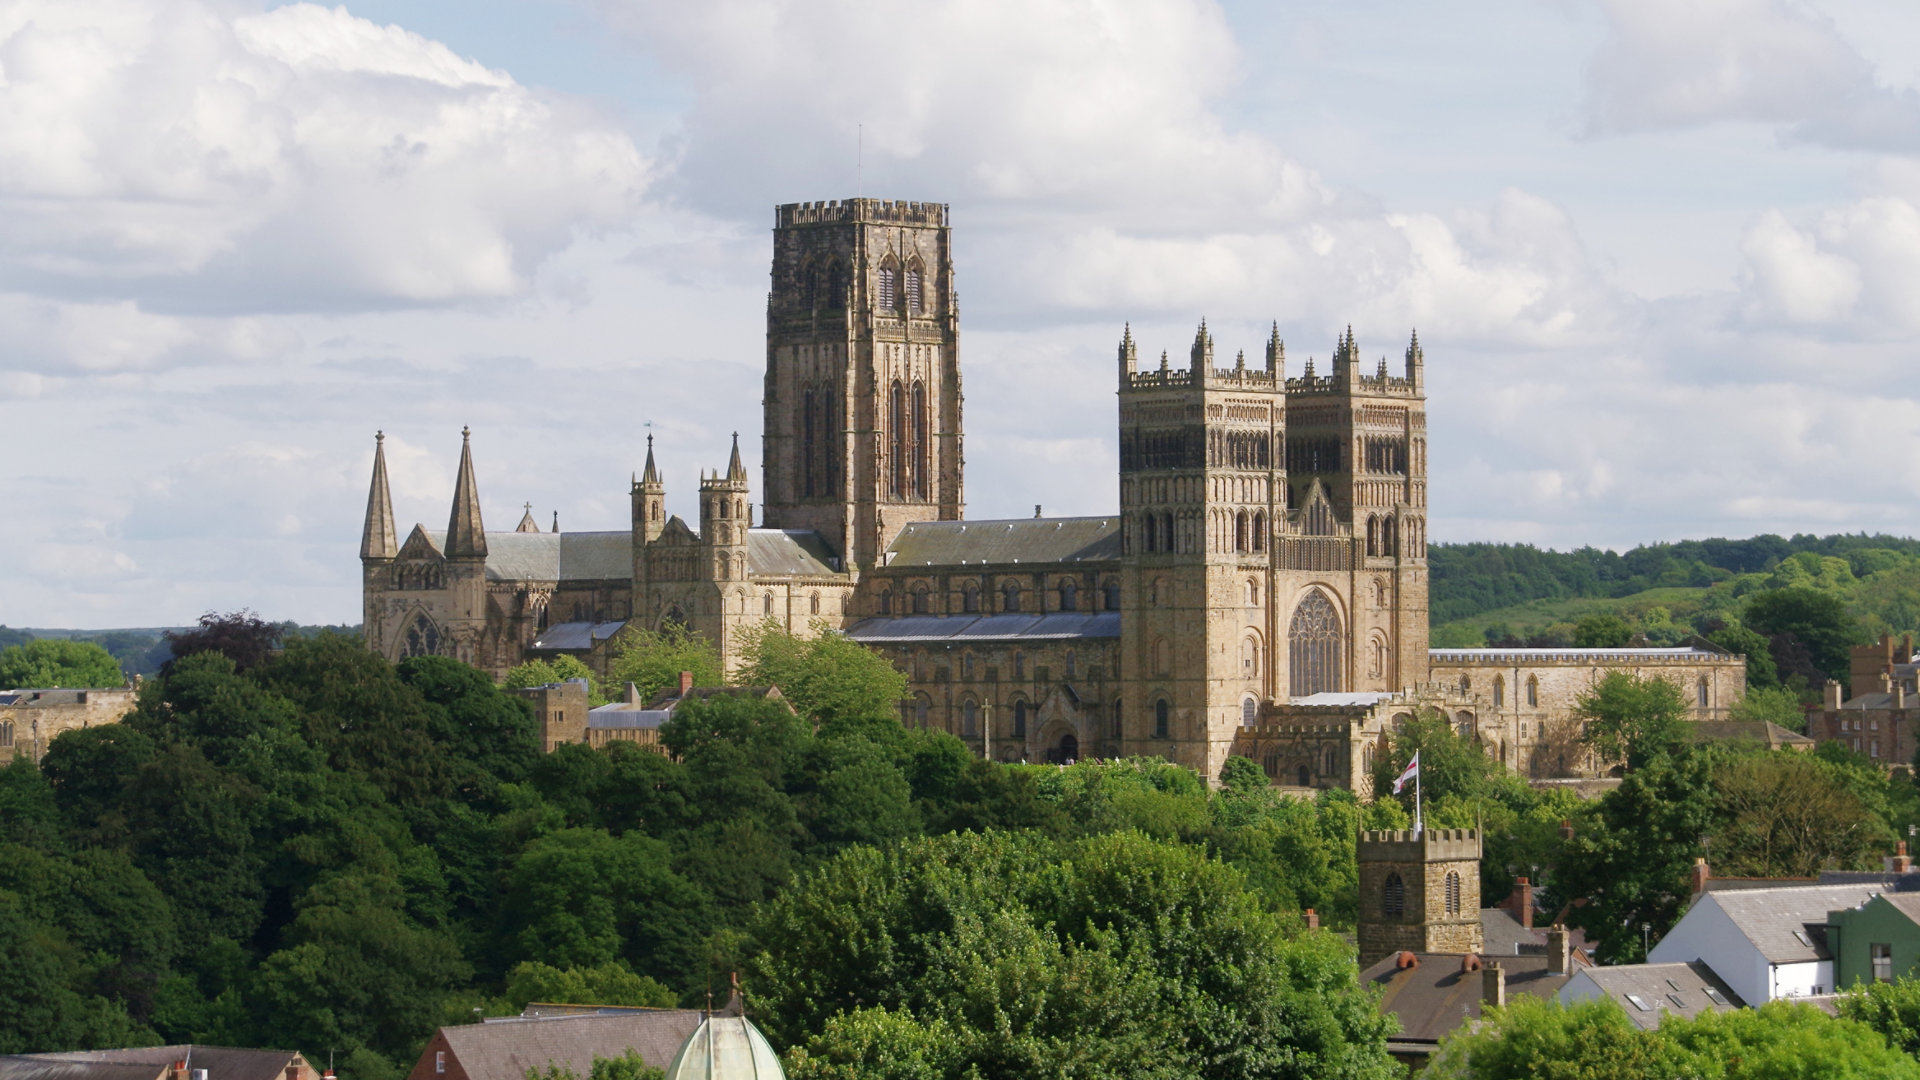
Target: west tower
column 862, row 400
column 1419, row 892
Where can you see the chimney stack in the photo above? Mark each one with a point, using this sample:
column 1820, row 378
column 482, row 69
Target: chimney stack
column 1493, row 985
column 686, row 682
column 1701, row 875
column 1520, row 902
column 1313, row 919
column 1830, row 694
column 1559, row 951
column 1900, row 694
column 1900, row 862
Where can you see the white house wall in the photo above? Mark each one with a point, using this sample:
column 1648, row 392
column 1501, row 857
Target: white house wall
column 1707, row 934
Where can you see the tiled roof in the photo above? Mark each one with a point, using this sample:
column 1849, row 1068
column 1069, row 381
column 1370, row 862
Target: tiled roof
column 1784, row 924
column 505, row 1049
column 538, row 556
column 788, row 553
column 964, row 629
column 1020, row 540
column 574, row 636
column 1650, row 991
column 1771, row 735
column 147, row 1063
column 1436, row 996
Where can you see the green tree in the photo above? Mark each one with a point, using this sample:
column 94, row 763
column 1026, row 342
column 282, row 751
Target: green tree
column 1632, row 718
column 653, row 660
column 41, row 1002
column 1892, row 1009
column 48, row 662
column 1122, row 955
column 1815, row 619
column 1602, row 632
column 828, row 677
column 1787, row 814
column 601, row 984
column 1631, row 860
column 544, row 672
column 1450, row 764
column 1761, row 670
column 1772, row 704
column 580, row 898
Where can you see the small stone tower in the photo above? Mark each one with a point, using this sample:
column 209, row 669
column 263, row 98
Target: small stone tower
column 725, row 516
column 1419, row 892
column 649, row 503
column 378, row 549
column 466, row 554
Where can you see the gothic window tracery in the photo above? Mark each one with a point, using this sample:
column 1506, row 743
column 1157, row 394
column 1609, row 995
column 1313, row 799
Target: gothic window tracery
column 1314, row 647
column 915, row 289
column 1249, row 710
column 1020, row 719
column 886, row 293
column 969, row 718
column 1533, row 690
column 422, row 638
column 1393, row 896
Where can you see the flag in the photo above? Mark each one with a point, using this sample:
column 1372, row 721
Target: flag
column 1413, row 770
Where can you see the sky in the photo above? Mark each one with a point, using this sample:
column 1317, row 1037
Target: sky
column 1664, row 259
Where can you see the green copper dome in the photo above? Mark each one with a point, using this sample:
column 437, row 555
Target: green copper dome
column 726, row 1048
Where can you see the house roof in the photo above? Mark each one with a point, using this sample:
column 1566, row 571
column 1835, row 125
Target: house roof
column 147, row 1063
column 1773, row 736
column 1503, row 935
column 1019, row 540
column 27, row 698
column 1437, row 995
column 1650, row 991
column 506, row 1048
column 1787, row 924
column 965, row 629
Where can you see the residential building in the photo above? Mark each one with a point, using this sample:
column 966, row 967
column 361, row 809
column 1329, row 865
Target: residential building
column 571, row 1037
column 1765, row 943
column 1432, row 994
column 184, row 1061
column 1877, row 941
column 1647, row 993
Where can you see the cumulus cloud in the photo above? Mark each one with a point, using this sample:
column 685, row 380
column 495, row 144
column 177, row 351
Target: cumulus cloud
column 1776, row 62
column 190, row 154
column 1854, row 270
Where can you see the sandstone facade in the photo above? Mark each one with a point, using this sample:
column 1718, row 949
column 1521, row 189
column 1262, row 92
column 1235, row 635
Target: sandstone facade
column 31, row 719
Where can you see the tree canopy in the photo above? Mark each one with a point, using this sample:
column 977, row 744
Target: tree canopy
column 49, row 662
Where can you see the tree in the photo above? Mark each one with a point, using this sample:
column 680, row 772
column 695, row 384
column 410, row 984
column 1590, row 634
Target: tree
column 240, row 636
column 1789, row 814
column 1632, row 718
column 1602, row 632
column 829, row 678
column 1016, row 955
column 1810, row 617
column 1450, row 764
column 1761, row 671
column 1770, row 704
column 653, row 660
column 545, row 672
column 49, row 662
column 580, row 898
column 1632, row 859
column 1892, row 1009
column 602, row 984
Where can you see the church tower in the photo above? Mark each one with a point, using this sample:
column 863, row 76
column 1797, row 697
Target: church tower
column 1202, row 483
column 649, row 504
column 1419, row 892
column 378, row 549
column 1356, row 454
column 862, row 398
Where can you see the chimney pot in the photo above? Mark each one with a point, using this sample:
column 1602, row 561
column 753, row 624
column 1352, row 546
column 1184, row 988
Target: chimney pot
column 1406, row 960
column 1313, row 920
column 1470, row 962
column 1520, row 902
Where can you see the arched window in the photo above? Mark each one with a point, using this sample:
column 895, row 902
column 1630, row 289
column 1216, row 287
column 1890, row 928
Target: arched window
column 1393, row 896
column 1373, row 536
column 922, row 460
column 1019, row 719
column 1019, row 664
column 969, row 718
column 766, row 604
column 421, row 639
column 1162, row 657
column 897, row 432
column 1271, row 765
column 1333, row 764
column 1253, row 594
column 1069, row 596
column 1115, row 728
column 1071, row 672
column 814, row 602
column 920, row 601
column 886, row 601
column 1314, row 647
column 1466, row 684
column 1113, row 597
column 915, row 288
column 1703, row 691
column 1249, row 710
column 1166, row 532
column 1499, row 691
column 836, row 285
column 1453, row 893
column 1303, row 776
column 1242, row 539
column 1259, row 530
column 1010, row 597
column 1250, row 657
column 1160, row 718
column 1533, row 690
column 966, row 666
column 970, row 599
column 886, row 289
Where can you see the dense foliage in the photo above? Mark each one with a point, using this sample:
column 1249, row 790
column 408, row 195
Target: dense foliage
column 1533, row 1040
column 50, row 662
column 308, row 846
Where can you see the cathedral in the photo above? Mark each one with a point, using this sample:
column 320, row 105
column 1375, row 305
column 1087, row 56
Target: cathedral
column 1261, row 589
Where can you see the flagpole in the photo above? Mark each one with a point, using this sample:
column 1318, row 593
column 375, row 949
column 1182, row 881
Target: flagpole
column 1416, row 803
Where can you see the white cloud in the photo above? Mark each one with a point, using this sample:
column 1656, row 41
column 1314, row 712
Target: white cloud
column 1775, row 62
column 187, row 154
column 1855, row 270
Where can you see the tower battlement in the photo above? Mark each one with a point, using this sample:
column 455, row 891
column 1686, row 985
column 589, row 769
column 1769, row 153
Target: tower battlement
column 861, row 211
column 1428, row 845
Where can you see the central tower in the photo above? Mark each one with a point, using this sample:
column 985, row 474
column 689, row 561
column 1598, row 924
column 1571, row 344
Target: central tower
column 862, row 400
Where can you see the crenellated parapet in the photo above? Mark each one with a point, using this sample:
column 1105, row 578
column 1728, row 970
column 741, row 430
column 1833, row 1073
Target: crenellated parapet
column 862, row 211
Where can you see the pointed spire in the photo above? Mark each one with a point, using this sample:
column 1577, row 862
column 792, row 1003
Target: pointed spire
column 1129, row 353
column 466, row 535
column 650, row 477
column 377, row 540
column 527, row 524
column 556, row 521
column 1416, row 360
column 735, row 471
column 1202, row 355
column 1276, row 352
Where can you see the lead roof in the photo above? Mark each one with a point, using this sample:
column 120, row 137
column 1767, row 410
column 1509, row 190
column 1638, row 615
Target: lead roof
column 1016, row 541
